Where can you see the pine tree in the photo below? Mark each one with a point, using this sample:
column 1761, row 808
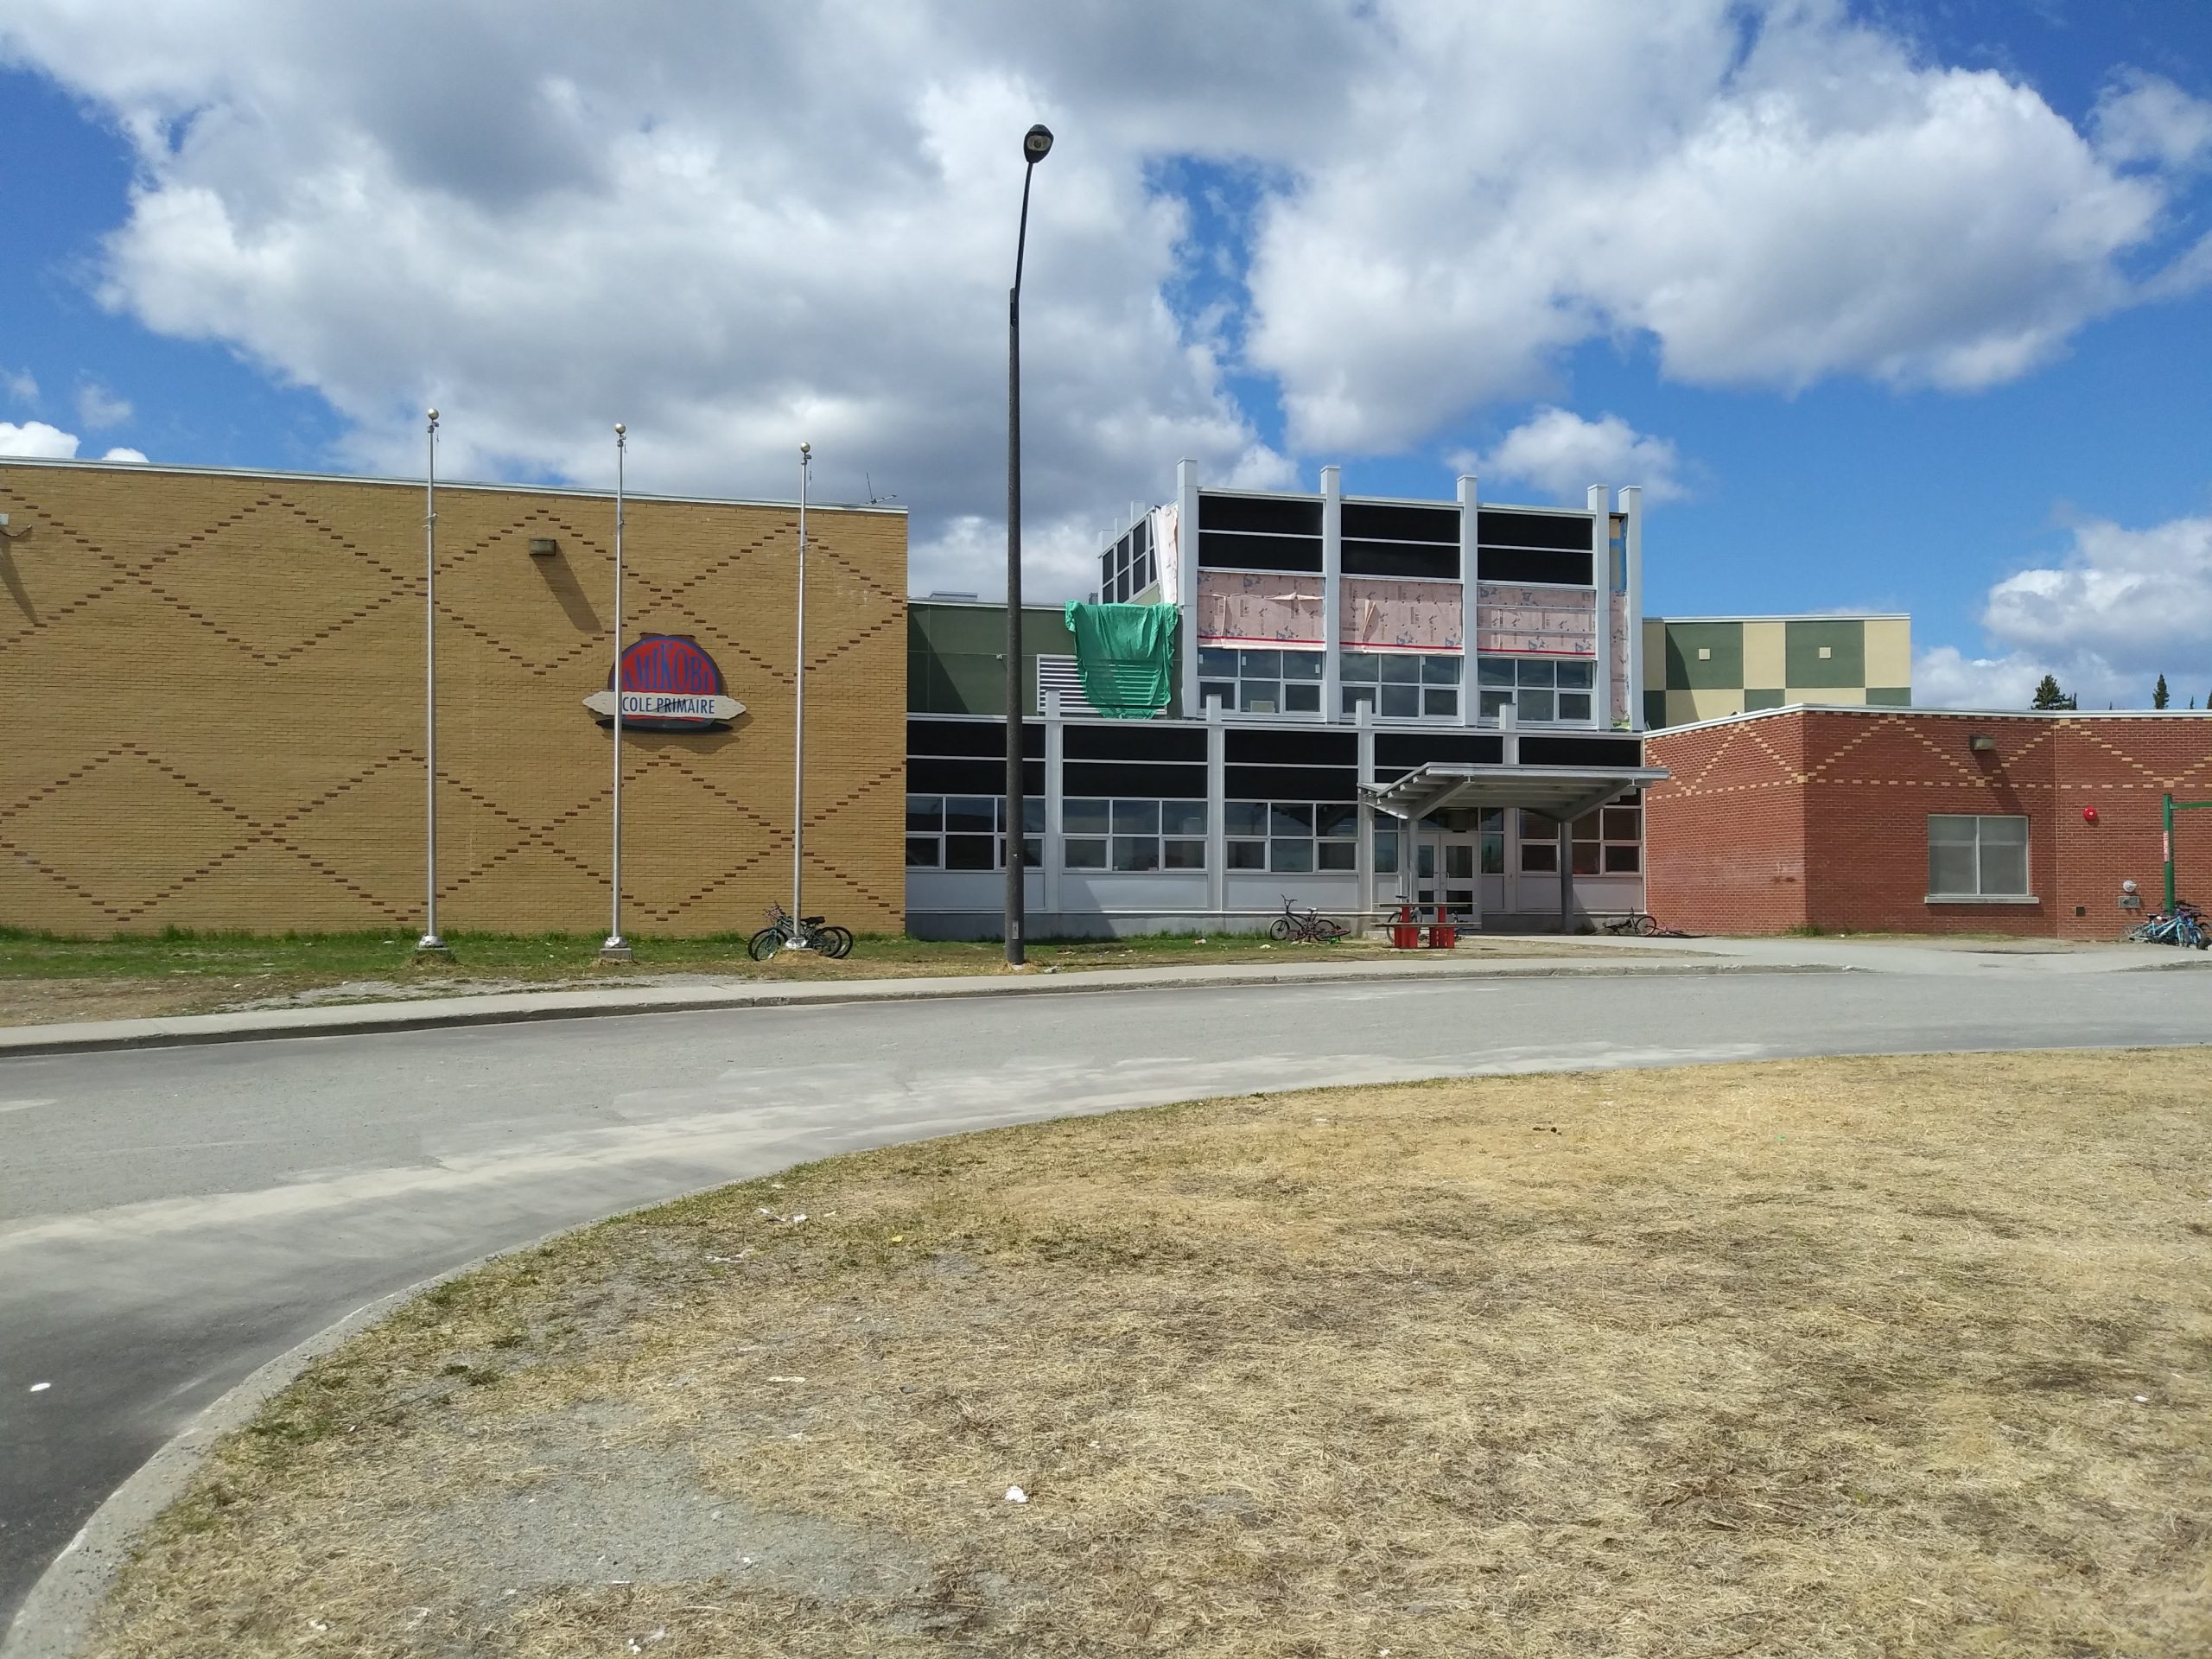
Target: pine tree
column 2047, row 695
column 2159, row 698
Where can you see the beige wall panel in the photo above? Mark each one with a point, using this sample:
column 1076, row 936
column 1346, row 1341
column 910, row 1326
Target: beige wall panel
column 1762, row 654
column 1889, row 651
column 211, row 707
column 1850, row 696
column 1654, row 654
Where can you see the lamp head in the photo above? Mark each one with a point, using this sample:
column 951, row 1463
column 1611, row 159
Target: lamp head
column 1036, row 144
column 621, row 431
column 806, row 452
column 434, row 418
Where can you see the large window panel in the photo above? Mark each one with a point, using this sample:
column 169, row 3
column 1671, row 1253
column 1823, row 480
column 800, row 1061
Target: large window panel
column 1974, row 855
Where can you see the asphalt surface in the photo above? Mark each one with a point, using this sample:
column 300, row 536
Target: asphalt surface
column 172, row 1218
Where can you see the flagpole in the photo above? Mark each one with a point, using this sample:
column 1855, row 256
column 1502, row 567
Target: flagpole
column 617, row 949
column 798, row 698
column 430, row 941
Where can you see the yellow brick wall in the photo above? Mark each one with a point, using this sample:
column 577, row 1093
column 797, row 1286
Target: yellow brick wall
column 212, row 707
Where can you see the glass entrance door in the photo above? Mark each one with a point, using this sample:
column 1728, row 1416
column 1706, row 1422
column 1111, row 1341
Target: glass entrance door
column 1458, row 855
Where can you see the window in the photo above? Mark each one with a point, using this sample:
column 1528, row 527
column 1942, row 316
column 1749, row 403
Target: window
column 1402, row 686
column 1292, row 838
column 1610, row 842
column 1541, row 689
column 968, row 832
column 1262, row 682
column 1977, row 857
column 1126, row 568
column 1539, row 844
column 1133, row 837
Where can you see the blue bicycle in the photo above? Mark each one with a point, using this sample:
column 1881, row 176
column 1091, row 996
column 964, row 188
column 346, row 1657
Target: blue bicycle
column 2184, row 926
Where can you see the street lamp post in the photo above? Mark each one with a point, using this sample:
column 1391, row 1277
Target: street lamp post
column 798, row 704
column 430, row 941
column 617, row 949
column 1036, row 144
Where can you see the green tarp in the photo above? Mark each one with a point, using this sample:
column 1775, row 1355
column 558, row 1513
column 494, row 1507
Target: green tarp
column 1126, row 656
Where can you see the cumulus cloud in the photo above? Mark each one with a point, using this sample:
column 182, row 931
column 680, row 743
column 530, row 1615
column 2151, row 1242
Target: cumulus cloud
column 2121, row 608
column 733, row 230
column 1772, row 193
column 2144, row 117
column 97, row 407
column 1562, row 454
column 35, row 440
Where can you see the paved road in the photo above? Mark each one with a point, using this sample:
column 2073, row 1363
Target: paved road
column 170, row 1219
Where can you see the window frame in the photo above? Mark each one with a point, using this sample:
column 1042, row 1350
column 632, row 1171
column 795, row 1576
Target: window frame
column 1544, row 684
column 2025, row 846
column 1436, row 697
column 1127, row 836
column 1335, row 853
column 1212, row 681
column 1033, row 810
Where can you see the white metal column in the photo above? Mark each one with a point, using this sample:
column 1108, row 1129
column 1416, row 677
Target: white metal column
column 1363, row 718
column 1632, row 580
column 1601, row 570
column 1187, row 553
column 1216, row 812
column 1470, row 698
column 1332, row 569
column 1055, row 753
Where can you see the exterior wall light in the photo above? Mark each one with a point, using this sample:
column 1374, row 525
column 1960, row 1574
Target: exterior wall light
column 1981, row 744
column 544, row 546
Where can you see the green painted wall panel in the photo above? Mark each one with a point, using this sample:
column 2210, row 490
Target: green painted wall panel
column 1761, row 698
column 1890, row 697
column 1723, row 669
column 1846, row 663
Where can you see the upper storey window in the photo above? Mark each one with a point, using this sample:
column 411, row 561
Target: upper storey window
column 1260, row 682
column 1259, row 532
column 1550, row 549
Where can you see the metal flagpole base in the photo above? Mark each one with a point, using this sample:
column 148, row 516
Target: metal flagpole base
column 617, row 949
column 431, row 945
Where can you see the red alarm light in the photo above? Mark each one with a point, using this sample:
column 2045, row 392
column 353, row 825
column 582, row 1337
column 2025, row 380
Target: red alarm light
column 2088, row 815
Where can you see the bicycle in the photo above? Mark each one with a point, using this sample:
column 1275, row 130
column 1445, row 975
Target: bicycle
column 809, row 933
column 2185, row 927
column 1643, row 925
column 1310, row 928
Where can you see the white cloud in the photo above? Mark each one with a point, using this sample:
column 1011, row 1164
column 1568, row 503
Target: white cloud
column 36, row 438
column 1563, row 454
column 97, row 407
column 733, row 228
column 1773, row 192
column 2120, row 608
column 21, row 384
column 2144, row 117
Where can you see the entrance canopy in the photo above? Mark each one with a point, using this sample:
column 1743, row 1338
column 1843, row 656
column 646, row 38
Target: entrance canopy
column 1559, row 792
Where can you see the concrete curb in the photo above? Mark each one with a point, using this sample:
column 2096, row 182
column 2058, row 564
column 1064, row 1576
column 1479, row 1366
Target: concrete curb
column 517, row 1008
column 56, row 1618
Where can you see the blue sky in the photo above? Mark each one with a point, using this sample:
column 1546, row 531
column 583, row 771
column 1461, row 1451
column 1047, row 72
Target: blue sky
column 1803, row 483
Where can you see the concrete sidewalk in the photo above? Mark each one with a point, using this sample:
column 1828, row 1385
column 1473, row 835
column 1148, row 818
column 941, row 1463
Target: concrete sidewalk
column 1607, row 957
column 1638, row 957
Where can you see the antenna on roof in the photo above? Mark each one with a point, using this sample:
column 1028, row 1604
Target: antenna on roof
column 873, row 500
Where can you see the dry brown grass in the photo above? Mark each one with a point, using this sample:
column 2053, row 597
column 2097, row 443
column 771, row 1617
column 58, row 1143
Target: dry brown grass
column 1884, row 1357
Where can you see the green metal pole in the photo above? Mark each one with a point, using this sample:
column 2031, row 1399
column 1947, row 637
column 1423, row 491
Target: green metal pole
column 2169, row 801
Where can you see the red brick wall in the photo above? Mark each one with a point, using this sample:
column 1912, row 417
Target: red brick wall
column 1725, row 836
column 1822, row 817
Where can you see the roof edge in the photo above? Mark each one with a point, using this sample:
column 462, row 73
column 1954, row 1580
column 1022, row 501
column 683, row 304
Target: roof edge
column 60, row 463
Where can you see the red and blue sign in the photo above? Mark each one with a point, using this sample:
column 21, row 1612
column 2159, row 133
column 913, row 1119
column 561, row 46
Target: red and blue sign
column 669, row 684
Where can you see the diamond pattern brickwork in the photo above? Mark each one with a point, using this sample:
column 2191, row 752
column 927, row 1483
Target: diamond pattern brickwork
column 212, row 686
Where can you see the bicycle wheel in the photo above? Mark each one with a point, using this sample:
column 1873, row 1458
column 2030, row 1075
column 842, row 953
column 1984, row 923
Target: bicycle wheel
column 1329, row 930
column 765, row 944
column 1283, row 929
column 1646, row 926
column 834, row 942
